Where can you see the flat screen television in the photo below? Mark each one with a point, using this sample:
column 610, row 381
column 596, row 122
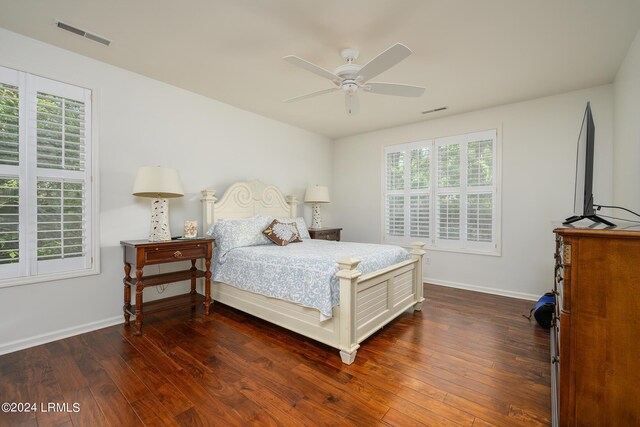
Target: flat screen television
column 583, row 196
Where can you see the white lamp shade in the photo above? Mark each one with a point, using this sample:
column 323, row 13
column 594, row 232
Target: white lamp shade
column 158, row 181
column 317, row 194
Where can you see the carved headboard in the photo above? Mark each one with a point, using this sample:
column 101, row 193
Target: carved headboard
column 244, row 200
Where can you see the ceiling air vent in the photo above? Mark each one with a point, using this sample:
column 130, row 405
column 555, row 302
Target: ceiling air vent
column 83, row 33
column 435, row 110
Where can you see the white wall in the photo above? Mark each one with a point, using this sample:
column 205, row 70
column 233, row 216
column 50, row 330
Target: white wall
column 142, row 121
column 538, row 139
column 626, row 151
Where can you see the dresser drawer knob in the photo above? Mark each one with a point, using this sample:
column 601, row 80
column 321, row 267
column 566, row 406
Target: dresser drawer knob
column 177, row 254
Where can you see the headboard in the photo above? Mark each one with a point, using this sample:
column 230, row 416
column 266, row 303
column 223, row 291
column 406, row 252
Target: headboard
column 246, row 199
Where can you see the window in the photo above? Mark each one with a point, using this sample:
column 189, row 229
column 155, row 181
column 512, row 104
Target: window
column 45, row 178
column 443, row 192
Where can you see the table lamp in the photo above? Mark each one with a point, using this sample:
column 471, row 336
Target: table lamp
column 316, row 194
column 160, row 183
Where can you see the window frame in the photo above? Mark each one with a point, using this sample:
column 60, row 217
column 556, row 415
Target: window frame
column 433, row 242
column 29, row 269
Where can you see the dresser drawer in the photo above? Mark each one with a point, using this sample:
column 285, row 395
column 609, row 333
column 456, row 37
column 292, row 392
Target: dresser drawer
column 174, row 253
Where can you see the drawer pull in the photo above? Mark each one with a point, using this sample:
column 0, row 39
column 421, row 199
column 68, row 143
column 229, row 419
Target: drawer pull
column 177, row 254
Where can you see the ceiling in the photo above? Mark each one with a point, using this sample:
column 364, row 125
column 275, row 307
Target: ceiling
column 469, row 54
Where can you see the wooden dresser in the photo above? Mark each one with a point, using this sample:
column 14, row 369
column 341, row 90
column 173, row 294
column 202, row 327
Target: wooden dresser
column 595, row 342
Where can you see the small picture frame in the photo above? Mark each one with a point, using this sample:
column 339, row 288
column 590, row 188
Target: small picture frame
column 190, row 229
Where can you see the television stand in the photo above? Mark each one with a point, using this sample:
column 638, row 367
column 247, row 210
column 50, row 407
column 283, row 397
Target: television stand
column 594, row 218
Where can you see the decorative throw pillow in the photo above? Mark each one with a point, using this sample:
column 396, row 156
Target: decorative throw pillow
column 302, row 226
column 282, row 233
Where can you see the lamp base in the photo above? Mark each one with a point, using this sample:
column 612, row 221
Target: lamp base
column 159, row 221
column 316, row 219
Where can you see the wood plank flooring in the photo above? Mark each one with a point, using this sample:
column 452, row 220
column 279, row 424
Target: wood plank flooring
column 468, row 359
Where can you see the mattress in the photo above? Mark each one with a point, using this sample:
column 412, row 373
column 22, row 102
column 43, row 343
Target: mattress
column 303, row 273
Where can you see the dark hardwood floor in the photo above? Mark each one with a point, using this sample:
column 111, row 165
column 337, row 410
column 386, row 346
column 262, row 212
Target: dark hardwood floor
column 468, row 359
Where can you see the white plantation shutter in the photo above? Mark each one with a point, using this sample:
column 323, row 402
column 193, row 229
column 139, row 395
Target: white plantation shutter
column 407, row 193
column 9, row 125
column 60, row 133
column 394, row 215
column 420, row 169
column 63, row 180
column 480, row 191
column 447, row 197
column 394, row 194
column 61, row 219
column 448, row 227
column 419, row 193
column 480, row 217
column 448, row 165
column 45, row 176
column 448, row 193
column 12, row 254
column 9, row 221
column 9, row 184
column 395, row 171
column 420, row 221
column 480, row 163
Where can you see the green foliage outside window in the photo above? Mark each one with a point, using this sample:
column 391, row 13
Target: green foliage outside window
column 480, row 163
column 9, row 210
column 420, row 169
column 449, row 166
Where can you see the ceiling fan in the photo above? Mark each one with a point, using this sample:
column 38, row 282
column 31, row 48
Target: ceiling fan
column 352, row 77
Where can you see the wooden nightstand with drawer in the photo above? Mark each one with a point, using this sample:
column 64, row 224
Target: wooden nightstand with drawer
column 325, row 233
column 141, row 253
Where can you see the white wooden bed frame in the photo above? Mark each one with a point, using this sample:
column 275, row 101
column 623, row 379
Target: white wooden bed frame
column 367, row 302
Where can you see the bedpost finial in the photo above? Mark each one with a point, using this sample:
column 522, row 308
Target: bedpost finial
column 348, row 263
column 417, row 248
column 348, row 268
column 209, row 194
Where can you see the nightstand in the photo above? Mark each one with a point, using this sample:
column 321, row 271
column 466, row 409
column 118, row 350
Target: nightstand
column 325, row 233
column 141, row 253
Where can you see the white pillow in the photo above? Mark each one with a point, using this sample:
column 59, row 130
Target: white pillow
column 302, row 226
column 236, row 233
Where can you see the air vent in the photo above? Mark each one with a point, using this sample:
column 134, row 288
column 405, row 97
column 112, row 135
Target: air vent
column 83, row 33
column 435, row 110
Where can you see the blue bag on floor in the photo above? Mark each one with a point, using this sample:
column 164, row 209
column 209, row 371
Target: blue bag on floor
column 544, row 309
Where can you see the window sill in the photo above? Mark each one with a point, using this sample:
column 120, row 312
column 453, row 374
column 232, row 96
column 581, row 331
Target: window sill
column 19, row 281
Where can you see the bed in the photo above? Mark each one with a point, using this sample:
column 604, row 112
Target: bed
column 367, row 301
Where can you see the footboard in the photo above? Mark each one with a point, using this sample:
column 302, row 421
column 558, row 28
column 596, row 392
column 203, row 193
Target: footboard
column 369, row 302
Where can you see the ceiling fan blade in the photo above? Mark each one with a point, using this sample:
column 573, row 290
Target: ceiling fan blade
column 352, row 103
column 394, row 89
column 384, row 61
column 311, row 95
column 292, row 59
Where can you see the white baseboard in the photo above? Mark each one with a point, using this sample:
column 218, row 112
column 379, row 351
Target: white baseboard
column 493, row 291
column 21, row 344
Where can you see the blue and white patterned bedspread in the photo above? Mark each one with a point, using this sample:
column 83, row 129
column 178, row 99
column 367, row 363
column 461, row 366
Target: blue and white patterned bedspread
column 303, row 273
